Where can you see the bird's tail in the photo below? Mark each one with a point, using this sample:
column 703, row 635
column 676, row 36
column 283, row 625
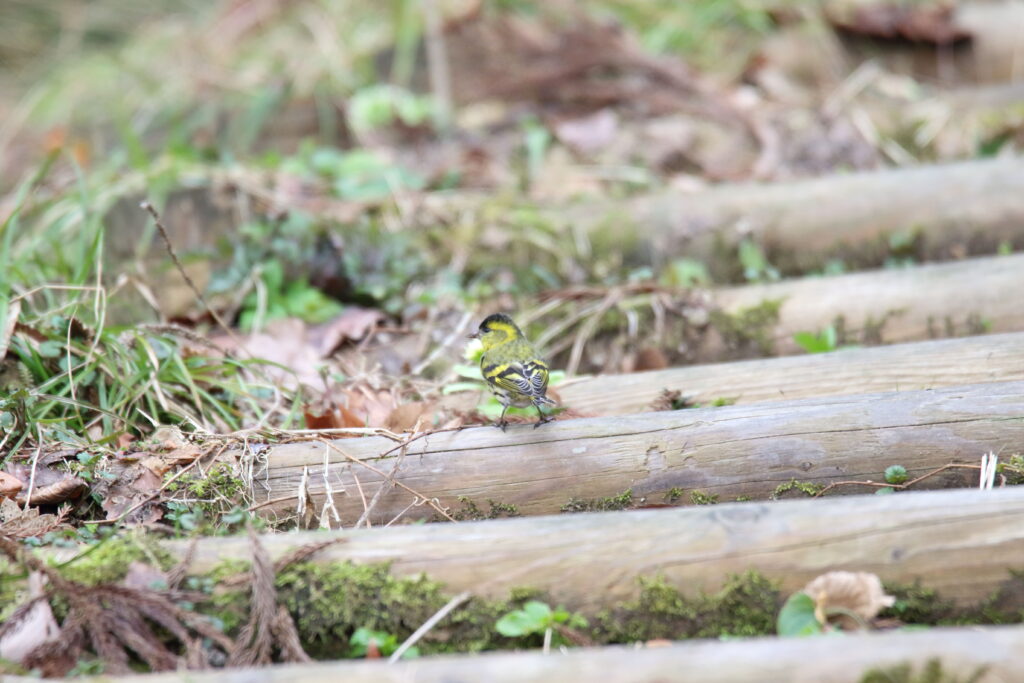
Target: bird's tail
column 544, row 401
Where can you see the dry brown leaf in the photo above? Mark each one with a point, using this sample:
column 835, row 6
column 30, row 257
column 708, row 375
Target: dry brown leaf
column 650, row 358
column 351, row 325
column 134, row 484
column 369, row 408
column 915, row 23
column 404, row 417
column 60, row 491
column 10, row 485
column 20, row 523
column 859, row 593
column 169, row 437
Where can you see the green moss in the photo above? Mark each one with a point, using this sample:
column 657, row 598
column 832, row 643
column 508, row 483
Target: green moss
column 807, row 488
column 931, row 673
column 746, row 606
column 329, row 602
column 701, row 498
column 212, row 492
column 107, row 561
column 673, row 495
column 743, row 499
column 470, row 510
column 749, row 329
column 916, row 604
column 623, row 501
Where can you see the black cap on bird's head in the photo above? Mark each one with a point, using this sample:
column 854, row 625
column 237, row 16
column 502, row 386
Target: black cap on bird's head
column 495, row 320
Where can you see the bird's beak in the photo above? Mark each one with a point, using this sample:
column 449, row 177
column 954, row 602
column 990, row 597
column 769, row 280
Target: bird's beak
column 475, row 335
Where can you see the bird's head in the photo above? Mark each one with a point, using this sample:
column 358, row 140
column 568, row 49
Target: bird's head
column 496, row 329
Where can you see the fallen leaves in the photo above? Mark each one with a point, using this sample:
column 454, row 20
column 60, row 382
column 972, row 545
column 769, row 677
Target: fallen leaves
column 18, row 522
column 848, row 599
column 41, row 485
column 301, row 350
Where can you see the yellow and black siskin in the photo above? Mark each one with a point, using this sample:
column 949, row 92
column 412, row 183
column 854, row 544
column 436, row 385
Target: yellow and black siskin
column 514, row 371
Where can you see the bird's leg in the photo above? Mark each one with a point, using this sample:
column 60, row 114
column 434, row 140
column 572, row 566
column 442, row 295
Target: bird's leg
column 501, row 420
column 542, row 417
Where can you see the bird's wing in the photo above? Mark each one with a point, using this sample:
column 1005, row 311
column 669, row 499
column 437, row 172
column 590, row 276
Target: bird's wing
column 528, row 379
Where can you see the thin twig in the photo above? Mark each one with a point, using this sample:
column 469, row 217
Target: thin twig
column 35, row 463
column 147, row 206
column 365, row 517
column 383, row 476
column 900, row 487
column 429, row 624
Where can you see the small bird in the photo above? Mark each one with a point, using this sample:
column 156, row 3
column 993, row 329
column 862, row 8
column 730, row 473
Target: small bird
column 514, row 371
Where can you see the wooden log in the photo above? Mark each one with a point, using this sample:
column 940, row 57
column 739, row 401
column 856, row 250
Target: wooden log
column 730, row 451
column 965, row 207
column 961, row 651
column 959, row 542
column 900, row 367
column 888, row 306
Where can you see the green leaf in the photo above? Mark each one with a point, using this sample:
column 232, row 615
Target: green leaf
column 885, row 491
column 822, row 342
column 534, row 617
column 895, row 474
column 50, row 348
column 797, row 617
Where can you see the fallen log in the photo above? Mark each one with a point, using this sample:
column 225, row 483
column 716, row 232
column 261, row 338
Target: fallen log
column 733, row 451
column 900, row 367
column 961, row 652
column 885, row 306
column 952, row 209
column 960, row 543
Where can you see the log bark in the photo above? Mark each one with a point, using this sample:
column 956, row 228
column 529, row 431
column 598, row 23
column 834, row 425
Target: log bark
column 887, row 306
column 961, row 543
column 961, row 651
column 900, row 367
column 730, row 451
column 966, row 207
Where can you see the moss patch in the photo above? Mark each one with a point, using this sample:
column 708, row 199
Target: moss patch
column 749, row 330
column 107, row 562
column 745, row 606
column 701, row 498
column 931, row 672
column 623, row 501
column 807, row 488
column 329, row 602
column 471, row 511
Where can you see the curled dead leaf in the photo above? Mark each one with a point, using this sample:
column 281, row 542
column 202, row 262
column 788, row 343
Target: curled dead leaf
column 66, row 489
column 840, row 595
column 10, row 485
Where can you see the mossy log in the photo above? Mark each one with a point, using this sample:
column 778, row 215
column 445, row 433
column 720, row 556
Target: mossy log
column 900, row 367
column 960, row 653
column 960, row 542
column 876, row 307
column 726, row 452
column 948, row 210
